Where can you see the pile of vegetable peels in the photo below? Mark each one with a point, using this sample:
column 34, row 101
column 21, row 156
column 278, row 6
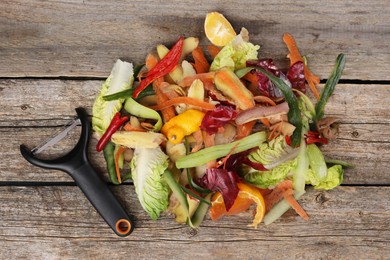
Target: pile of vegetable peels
column 217, row 134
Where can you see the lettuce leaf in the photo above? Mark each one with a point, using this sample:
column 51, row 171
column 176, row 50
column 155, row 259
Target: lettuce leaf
column 268, row 179
column 269, row 153
column 333, row 178
column 121, row 78
column 147, row 167
column 235, row 54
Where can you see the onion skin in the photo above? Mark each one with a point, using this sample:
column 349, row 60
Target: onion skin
column 260, row 112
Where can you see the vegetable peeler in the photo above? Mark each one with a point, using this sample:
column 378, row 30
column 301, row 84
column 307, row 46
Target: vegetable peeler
column 77, row 165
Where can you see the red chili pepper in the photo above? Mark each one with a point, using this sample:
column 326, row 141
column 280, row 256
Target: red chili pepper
column 116, row 122
column 288, row 140
column 163, row 67
column 315, row 137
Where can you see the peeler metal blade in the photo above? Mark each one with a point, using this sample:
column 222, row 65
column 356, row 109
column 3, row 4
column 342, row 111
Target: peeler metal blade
column 55, row 139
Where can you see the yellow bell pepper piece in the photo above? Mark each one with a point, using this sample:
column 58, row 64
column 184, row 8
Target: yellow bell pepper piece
column 182, row 125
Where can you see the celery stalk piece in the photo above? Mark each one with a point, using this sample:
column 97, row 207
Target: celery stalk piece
column 178, row 192
column 200, row 212
column 211, row 153
column 302, row 167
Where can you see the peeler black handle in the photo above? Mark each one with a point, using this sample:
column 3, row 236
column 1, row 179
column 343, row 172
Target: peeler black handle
column 77, row 165
column 103, row 200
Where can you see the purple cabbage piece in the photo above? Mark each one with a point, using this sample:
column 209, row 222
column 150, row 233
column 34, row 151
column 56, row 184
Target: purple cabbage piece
column 221, row 180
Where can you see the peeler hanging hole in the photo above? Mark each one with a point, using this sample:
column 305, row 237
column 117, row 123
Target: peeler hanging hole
column 123, row 226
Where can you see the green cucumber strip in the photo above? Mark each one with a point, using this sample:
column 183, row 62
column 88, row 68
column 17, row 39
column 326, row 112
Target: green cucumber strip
column 136, row 109
column 109, row 156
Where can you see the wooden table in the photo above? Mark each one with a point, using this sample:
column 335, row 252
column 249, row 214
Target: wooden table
column 55, row 54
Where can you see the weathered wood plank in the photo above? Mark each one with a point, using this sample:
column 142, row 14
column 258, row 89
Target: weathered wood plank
column 33, row 102
column 29, row 102
column 59, row 223
column 83, row 38
column 369, row 153
column 40, row 108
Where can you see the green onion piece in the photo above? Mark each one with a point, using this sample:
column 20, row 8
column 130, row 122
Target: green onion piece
column 136, row 109
column 193, row 185
column 294, row 113
column 109, row 156
column 194, row 195
column 211, row 153
column 330, row 86
column 178, row 192
column 344, row 164
column 119, row 95
column 127, row 176
column 128, row 93
column 200, row 212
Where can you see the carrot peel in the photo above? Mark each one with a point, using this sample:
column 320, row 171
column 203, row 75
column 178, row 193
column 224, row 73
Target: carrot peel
column 295, row 56
column 201, row 64
column 117, row 155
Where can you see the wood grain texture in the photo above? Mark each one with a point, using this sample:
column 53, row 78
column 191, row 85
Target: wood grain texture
column 83, row 38
column 51, row 102
column 55, row 55
column 40, row 108
column 58, row 223
column 368, row 153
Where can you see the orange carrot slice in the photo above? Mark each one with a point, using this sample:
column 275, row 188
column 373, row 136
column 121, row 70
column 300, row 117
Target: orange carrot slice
column 187, row 81
column 213, row 50
column 264, row 99
column 231, row 86
column 265, row 122
column 284, row 190
column 151, row 61
column 288, row 195
column 245, row 129
column 201, row 64
column 168, row 112
column 129, row 127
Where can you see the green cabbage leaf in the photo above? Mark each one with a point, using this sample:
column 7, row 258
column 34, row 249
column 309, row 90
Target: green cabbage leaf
column 121, row 78
column 147, row 168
